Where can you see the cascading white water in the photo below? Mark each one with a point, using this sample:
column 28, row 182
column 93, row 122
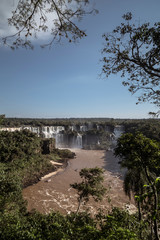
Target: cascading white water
column 83, row 128
column 64, row 140
column 51, row 131
column 77, row 141
column 72, row 128
column 118, row 131
column 59, row 140
column 12, row 129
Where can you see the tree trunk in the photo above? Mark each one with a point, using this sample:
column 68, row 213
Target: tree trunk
column 79, row 204
column 139, row 211
column 155, row 223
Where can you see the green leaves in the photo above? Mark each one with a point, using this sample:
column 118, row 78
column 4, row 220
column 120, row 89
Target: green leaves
column 17, row 144
column 140, row 155
column 91, row 185
column 134, row 52
column 31, row 17
column 138, row 151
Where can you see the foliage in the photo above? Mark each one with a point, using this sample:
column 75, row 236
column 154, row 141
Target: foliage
column 138, row 151
column 91, row 185
column 17, row 144
column 64, row 153
column 105, row 140
column 140, row 155
column 120, row 225
column 149, row 127
column 21, row 168
column 10, row 191
column 20, row 152
column 31, row 17
column 18, row 122
column 1, row 119
column 117, row 224
column 134, row 51
column 47, row 145
column 97, row 138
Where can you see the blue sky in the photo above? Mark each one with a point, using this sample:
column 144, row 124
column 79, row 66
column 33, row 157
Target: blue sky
column 64, row 81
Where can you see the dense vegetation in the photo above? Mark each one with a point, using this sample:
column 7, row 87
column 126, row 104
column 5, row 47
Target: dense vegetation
column 21, row 156
column 17, row 122
column 22, row 163
column 141, row 156
column 150, row 127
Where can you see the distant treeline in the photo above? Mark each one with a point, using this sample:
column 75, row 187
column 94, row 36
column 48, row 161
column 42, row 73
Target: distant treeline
column 149, row 127
column 17, row 122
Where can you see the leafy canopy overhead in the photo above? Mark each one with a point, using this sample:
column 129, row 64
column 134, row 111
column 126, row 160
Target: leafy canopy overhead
column 59, row 17
column 135, row 52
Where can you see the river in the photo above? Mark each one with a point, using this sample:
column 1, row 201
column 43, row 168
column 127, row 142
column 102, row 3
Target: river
column 55, row 194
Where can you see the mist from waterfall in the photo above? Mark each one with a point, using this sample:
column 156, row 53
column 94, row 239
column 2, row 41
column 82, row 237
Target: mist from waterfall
column 76, row 136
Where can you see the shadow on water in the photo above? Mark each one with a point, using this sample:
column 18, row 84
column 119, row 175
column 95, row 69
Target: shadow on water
column 111, row 164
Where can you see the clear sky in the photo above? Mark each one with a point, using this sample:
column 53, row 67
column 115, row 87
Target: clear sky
column 64, row 81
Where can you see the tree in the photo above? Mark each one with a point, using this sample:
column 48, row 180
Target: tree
column 11, row 199
column 17, row 144
column 135, row 52
column 140, row 155
column 1, row 119
column 134, row 181
column 91, row 185
column 120, row 225
column 31, row 16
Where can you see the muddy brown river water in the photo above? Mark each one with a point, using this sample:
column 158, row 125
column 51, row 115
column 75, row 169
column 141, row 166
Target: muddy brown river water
column 55, row 194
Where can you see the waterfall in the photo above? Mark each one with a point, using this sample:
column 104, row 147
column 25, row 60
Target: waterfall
column 51, row 131
column 118, row 131
column 77, row 136
column 77, row 141
column 12, row 129
column 45, row 132
column 83, row 128
column 59, row 140
column 58, row 129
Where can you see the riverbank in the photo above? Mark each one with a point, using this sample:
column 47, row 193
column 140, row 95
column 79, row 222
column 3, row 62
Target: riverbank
column 59, row 167
column 56, row 194
column 48, row 165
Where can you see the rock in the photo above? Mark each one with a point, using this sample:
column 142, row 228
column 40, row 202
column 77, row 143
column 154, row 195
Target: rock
column 48, row 180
